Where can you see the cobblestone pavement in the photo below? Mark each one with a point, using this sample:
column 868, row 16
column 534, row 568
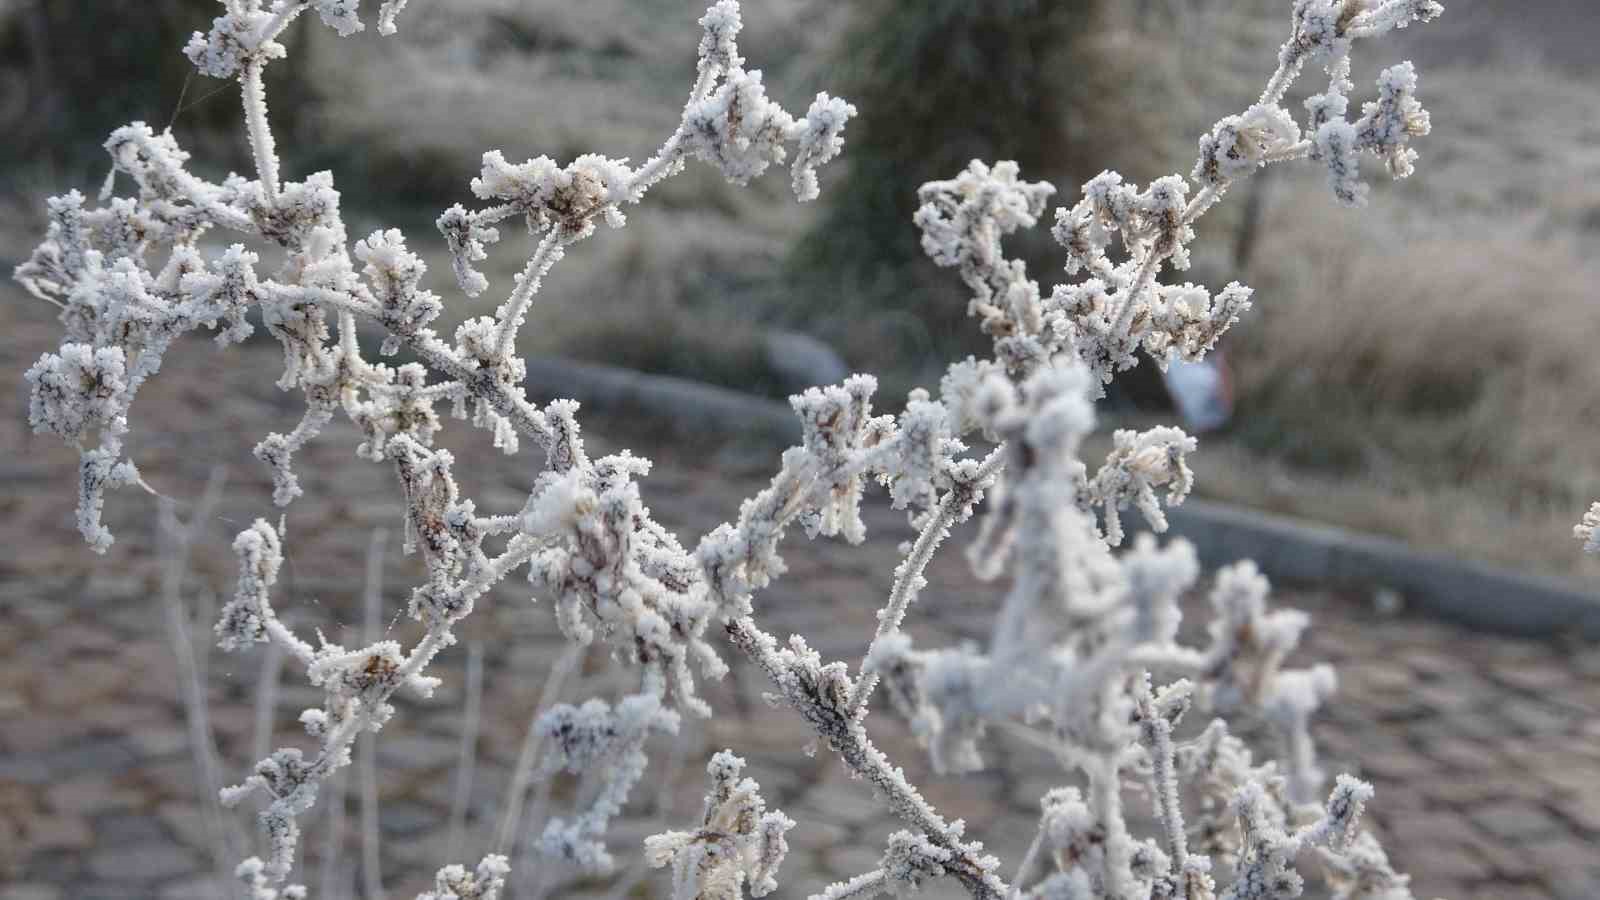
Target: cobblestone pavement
column 1485, row 750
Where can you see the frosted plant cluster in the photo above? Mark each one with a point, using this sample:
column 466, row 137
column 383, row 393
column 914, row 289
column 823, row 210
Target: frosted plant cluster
column 1588, row 530
column 1084, row 657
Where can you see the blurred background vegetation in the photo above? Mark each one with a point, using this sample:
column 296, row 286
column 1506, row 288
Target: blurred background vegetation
column 1428, row 369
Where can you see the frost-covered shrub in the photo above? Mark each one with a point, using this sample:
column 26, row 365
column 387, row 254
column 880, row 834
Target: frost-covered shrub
column 1084, row 654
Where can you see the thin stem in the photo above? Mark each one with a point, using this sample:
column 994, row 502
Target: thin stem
column 177, row 540
column 515, row 310
column 670, row 773
column 908, row 582
column 262, row 146
column 1142, row 279
column 849, row 739
column 281, row 635
column 282, row 19
column 540, row 885
column 1105, row 790
column 347, row 337
column 1202, row 202
column 657, row 167
column 667, row 158
column 371, row 874
column 522, row 775
column 867, row 884
column 1026, row 864
column 1291, row 60
column 1164, row 791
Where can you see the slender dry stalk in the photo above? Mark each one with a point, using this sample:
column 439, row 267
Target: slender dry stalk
column 372, row 597
column 176, row 540
column 663, row 818
column 522, row 775
column 467, row 758
column 335, row 874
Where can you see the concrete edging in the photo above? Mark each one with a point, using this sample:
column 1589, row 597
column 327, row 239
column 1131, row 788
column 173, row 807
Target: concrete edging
column 1472, row 594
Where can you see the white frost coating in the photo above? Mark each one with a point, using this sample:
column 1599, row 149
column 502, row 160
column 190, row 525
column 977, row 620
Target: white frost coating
column 1084, row 655
column 454, row 882
column 820, row 138
column 1588, row 530
column 595, row 738
column 909, row 860
column 253, row 873
column 737, row 844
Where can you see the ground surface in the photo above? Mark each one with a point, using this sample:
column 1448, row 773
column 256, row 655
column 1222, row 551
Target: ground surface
column 1485, row 750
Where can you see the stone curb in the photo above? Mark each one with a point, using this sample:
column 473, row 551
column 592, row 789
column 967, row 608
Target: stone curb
column 684, row 406
column 1469, row 593
column 1472, row 594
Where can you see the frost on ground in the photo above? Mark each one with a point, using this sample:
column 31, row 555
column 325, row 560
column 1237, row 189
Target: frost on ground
column 1084, row 655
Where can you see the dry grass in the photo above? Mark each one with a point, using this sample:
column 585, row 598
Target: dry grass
column 534, row 77
column 1433, row 370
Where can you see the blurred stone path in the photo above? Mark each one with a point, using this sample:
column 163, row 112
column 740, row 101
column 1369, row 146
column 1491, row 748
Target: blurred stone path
column 1485, row 750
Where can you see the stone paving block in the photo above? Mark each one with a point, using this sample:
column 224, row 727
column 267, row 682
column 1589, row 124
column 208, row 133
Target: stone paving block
column 93, row 792
column 1532, row 718
column 1481, row 725
column 1449, row 697
column 1562, row 857
column 142, row 863
column 841, row 801
column 1479, row 722
column 981, row 796
column 47, row 730
column 1532, row 677
column 1574, row 886
column 191, row 828
column 109, row 755
column 78, row 683
column 1436, row 665
column 1568, row 773
column 418, row 751
column 816, row 835
column 199, row 887
column 1399, row 765
column 1464, row 755
column 117, row 828
column 155, row 741
column 1486, row 789
column 24, row 769
column 1451, row 863
column 101, row 890
column 406, row 818
column 57, row 832
column 847, row 862
column 1512, row 892
column 1583, row 812
column 1510, row 862
column 1435, row 827
column 30, row 892
column 1517, row 821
